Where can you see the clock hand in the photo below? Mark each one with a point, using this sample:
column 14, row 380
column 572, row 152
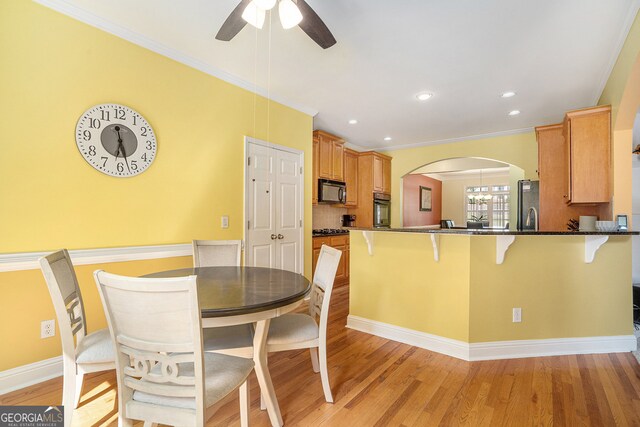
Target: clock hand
column 117, row 129
column 124, row 154
column 121, row 149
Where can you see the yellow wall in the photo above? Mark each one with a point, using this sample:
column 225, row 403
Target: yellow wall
column 402, row 285
column 560, row 296
column 622, row 91
column 53, row 68
column 520, row 150
column 468, row 297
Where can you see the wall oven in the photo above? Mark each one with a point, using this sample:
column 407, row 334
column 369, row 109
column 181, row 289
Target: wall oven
column 381, row 210
column 331, row 191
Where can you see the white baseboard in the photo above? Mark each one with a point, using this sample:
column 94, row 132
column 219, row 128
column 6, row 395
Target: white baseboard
column 552, row 347
column 448, row 346
column 33, row 373
column 498, row 349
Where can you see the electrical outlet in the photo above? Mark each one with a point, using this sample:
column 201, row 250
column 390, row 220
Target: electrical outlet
column 517, row 315
column 225, row 221
column 47, row 328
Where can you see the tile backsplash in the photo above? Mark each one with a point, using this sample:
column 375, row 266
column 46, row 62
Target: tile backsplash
column 327, row 216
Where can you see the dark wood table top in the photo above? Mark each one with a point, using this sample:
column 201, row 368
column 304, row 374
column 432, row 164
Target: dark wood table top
column 232, row 291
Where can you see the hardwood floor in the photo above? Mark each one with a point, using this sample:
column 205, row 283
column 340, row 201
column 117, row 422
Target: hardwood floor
column 377, row 382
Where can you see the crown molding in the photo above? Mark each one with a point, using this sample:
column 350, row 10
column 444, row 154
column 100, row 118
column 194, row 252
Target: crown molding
column 100, row 23
column 451, row 140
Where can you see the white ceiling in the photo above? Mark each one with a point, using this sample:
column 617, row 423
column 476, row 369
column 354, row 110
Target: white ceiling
column 556, row 54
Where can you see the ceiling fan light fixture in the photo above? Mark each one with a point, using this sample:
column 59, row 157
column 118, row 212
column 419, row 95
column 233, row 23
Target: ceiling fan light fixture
column 290, row 15
column 254, row 15
column 265, row 4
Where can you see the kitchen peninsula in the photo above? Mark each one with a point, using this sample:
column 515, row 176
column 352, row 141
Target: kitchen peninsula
column 461, row 292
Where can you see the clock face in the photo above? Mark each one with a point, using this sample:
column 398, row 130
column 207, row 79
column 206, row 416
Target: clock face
column 116, row 140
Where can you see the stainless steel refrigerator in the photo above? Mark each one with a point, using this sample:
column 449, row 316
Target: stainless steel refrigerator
column 528, row 204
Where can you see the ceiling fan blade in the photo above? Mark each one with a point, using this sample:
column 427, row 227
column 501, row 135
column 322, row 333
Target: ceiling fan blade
column 234, row 23
column 314, row 27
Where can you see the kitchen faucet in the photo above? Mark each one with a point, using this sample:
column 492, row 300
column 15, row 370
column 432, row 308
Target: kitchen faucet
column 535, row 218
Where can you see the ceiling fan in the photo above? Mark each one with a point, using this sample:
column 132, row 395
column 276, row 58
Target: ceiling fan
column 292, row 13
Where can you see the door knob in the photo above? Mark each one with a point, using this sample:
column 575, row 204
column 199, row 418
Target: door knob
column 280, row 236
column 274, row 237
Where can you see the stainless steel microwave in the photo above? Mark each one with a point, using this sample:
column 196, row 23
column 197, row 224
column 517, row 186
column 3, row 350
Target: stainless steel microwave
column 331, row 191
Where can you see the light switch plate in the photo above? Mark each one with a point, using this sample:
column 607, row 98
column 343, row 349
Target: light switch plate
column 225, row 221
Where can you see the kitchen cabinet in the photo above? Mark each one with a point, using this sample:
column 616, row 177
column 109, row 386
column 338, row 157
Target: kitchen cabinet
column 351, row 177
column 330, row 156
column 374, row 176
column 315, row 165
column 553, row 172
column 341, row 243
column 587, row 135
column 381, row 173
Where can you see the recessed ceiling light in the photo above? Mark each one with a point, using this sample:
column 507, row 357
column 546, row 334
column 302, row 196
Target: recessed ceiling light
column 387, row 138
column 514, row 112
column 508, row 94
column 353, row 121
column 423, row 96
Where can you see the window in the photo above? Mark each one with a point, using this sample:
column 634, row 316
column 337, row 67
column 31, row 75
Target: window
column 488, row 204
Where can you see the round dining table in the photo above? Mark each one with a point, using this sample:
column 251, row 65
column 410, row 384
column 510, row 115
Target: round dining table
column 239, row 295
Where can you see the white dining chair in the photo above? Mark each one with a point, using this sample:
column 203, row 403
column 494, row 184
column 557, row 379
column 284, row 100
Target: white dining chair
column 236, row 340
column 162, row 372
column 297, row 330
column 92, row 352
column 216, row 253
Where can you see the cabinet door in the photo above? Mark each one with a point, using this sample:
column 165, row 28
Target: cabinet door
column 377, row 174
column 325, row 154
column 338, row 161
column 341, row 273
column 590, row 158
column 351, row 177
column 386, row 176
column 316, row 163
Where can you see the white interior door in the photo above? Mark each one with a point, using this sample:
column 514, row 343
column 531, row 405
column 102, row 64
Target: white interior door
column 274, row 197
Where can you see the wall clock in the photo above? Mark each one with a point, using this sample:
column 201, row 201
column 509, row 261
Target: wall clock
column 116, row 140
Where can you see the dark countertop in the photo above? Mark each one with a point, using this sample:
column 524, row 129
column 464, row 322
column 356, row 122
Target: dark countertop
column 496, row 232
column 332, row 234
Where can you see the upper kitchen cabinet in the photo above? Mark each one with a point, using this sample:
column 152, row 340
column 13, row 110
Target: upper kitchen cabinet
column 330, row 156
column 316, row 165
column 381, row 173
column 587, row 135
column 351, row 177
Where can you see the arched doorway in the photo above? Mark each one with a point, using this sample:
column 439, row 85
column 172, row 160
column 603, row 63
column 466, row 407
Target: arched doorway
column 461, row 189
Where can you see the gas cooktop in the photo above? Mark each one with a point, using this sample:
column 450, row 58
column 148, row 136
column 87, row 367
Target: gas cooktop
column 329, row 231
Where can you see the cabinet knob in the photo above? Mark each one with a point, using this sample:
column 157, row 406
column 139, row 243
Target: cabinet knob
column 274, row 237
column 280, row 236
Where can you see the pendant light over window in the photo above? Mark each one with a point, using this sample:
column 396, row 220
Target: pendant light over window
column 254, row 13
